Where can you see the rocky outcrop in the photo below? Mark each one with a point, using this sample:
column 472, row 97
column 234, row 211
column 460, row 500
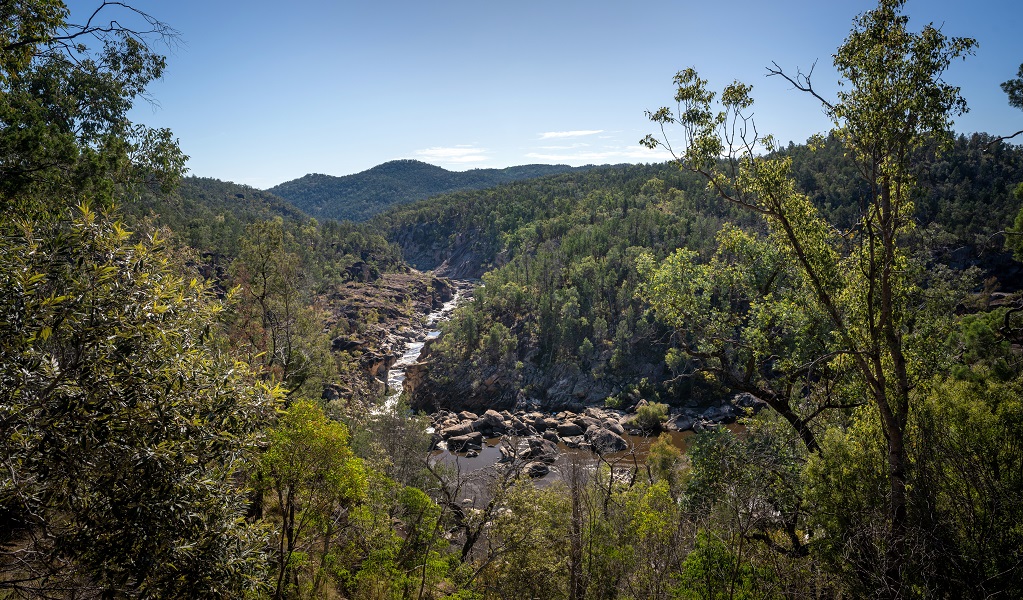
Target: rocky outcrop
column 378, row 317
column 533, row 436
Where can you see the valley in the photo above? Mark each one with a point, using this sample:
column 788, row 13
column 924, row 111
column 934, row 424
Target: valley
column 746, row 370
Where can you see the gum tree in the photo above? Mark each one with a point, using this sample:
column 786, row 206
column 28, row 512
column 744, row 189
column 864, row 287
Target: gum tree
column 892, row 102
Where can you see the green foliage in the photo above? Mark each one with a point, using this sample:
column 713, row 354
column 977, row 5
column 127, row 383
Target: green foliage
column 651, row 415
column 568, row 246
column 666, row 461
column 531, row 534
column 1014, row 237
column 123, row 427
column 1014, row 89
column 713, row 572
column 968, row 472
column 274, row 319
column 965, row 491
column 65, row 92
column 313, row 481
column 360, row 196
column 845, row 316
column 211, row 215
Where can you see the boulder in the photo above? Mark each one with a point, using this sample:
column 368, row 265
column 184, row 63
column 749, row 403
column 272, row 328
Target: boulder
column 461, row 443
column 541, row 449
column 585, row 422
column 467, row 416
column 494, row 418
column 679, row 422
column 613, row 425
column 551, row 436
column 463, row 428
column 340, row 344
column 537, row 423
column 569, row 430
column 333, row 391
column 536, row 469
column 518, row 427
column 728, row 414
column 747, row 400
column 605, row 441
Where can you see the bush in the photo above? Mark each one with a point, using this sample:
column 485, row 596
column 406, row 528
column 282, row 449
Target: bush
column 651, row 415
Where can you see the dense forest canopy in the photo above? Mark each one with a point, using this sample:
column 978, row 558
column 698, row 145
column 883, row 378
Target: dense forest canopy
column 192, row 400
column 360, row 196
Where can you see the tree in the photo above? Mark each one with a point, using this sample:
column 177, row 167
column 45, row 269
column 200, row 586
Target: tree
column 123, row 429
column 273, row 320
column 315, row 481
column 893, row 102
column 1014, row 89
column 739, row 321
column 65, row 91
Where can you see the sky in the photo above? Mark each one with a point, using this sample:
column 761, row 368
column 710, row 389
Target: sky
column 261, row 92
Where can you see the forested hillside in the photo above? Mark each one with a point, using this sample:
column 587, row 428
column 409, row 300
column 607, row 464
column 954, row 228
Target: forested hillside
column 360, row 196
column 559, row 321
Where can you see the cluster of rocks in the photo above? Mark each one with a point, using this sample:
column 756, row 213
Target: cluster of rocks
column 709, row 417
column 536, row 435
column 533, row 437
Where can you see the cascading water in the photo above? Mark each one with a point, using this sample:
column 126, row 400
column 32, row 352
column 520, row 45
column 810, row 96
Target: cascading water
column 396, row 375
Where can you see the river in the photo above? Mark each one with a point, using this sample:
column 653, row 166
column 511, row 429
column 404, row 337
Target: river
column 410, row 356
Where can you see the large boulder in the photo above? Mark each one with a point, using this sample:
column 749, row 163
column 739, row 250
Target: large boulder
column 585, row 422
column 537, row 422
column 517, row 427
column 613, row 425
column 541, row 449
column 461, row 443
column 536, row 469
column 494, row 419
column 746, row 400
column 463, row 428
column 605, row 441
column 569, row 430
column 679, row 422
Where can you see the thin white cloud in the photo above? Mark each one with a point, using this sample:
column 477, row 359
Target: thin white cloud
column 568, row 147
column 607, row 155
column 452, row 154
column 550, row 135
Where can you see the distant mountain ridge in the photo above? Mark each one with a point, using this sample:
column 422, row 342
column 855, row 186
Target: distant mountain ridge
column 360, row 196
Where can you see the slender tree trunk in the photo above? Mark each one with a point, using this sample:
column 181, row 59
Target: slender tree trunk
column 575, row 583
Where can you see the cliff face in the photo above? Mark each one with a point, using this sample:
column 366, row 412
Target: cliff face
column 373, row 321
column 464, row 255
column 434, row 385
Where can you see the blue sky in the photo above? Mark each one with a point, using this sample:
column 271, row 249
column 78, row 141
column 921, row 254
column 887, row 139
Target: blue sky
column 262, row 92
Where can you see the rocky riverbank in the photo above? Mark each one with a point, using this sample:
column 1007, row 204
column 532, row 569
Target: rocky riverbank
column 537, row 438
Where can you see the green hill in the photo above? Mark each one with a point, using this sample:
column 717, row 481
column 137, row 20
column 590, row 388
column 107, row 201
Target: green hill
column 360, row 196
